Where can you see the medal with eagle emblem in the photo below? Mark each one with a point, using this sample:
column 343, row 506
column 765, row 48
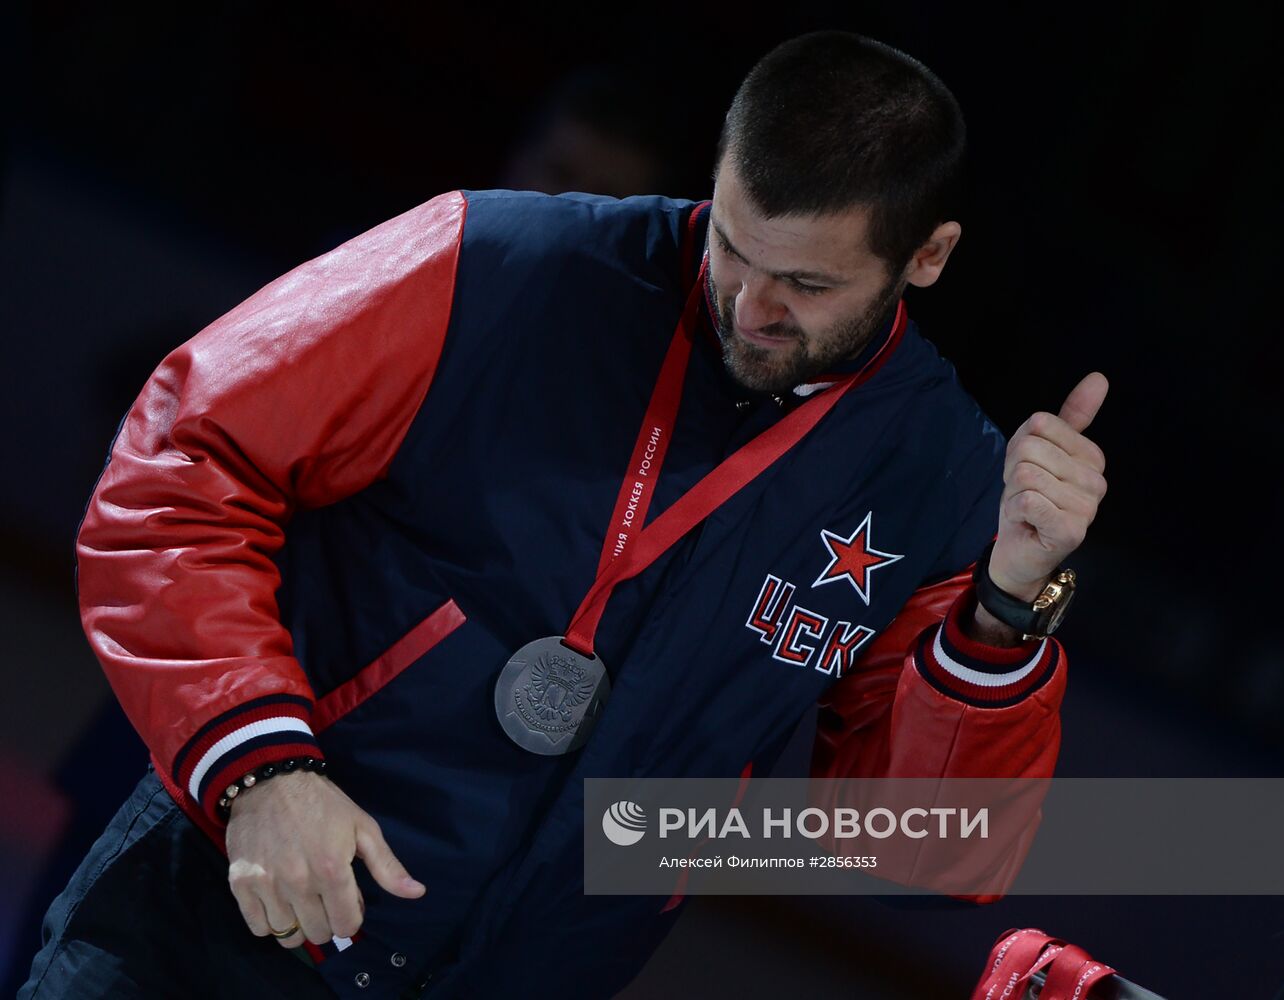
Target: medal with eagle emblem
column 548, row 696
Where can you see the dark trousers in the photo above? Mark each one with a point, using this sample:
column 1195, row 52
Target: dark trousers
column 148, row 914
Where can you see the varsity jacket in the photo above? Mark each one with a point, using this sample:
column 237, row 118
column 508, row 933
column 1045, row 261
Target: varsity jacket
column 331, row 517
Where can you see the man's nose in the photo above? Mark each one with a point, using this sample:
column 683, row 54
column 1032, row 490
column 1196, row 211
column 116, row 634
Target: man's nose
column 757, row 305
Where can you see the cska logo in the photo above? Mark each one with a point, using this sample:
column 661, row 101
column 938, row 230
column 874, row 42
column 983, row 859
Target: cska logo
column 799, row 636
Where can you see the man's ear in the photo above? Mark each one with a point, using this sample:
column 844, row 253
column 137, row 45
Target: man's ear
column 929, row 259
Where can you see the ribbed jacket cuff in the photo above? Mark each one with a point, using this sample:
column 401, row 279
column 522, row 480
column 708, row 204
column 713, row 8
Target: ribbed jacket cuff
column 978, row 674
column 259, row 732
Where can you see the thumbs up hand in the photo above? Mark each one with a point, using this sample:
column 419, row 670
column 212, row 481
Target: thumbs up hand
column 1053, row 482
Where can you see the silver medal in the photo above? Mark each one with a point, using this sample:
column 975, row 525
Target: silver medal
column 548, row 696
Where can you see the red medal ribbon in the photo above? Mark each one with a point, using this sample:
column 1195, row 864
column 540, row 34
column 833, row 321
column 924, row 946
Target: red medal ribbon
column 1073, row 975
column 653, row 439
column 1019, row 954
column 629, row 548
column 1014, row 958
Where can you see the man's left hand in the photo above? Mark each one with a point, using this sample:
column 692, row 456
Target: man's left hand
column 1054, row 479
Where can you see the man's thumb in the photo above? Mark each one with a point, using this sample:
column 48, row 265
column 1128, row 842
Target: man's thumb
column 383, row 865
column 1084, row 401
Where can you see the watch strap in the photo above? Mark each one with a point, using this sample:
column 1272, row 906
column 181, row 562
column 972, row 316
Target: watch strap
column 1012, row 611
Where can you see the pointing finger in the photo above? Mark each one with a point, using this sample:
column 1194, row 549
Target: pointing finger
column 383, row 865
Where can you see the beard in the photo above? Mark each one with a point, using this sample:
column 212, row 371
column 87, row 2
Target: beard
column 777, row 370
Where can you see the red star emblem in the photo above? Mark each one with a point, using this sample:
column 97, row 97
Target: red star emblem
column 853, row 558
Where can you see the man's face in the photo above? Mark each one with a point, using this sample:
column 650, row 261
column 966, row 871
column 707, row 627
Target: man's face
column 795, row 294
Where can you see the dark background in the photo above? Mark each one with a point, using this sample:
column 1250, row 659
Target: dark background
column 1122, row 214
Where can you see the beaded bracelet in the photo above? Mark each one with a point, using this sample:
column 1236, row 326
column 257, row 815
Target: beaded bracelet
column 290, row 764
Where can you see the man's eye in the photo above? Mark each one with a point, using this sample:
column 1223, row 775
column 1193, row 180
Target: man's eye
column 809, row 289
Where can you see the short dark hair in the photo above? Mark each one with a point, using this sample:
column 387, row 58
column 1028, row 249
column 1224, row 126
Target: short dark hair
column 831, row 120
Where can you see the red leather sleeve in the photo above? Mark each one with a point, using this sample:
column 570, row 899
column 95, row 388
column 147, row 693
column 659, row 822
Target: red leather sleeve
column 926, row 701
column 297, row 398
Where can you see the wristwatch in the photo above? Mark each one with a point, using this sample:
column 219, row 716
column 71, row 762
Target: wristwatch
column 1033, row 619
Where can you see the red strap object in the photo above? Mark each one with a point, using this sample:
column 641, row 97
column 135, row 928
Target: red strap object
column 1020, row 953
column 1073, row 975
column 653, row 440
column 1011, row 962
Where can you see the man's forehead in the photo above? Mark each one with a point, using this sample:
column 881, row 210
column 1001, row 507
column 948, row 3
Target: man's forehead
column 835, row 243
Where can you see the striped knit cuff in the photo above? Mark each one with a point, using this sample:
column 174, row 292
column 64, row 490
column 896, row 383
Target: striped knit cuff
column 975, row 673
column 259, row 732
